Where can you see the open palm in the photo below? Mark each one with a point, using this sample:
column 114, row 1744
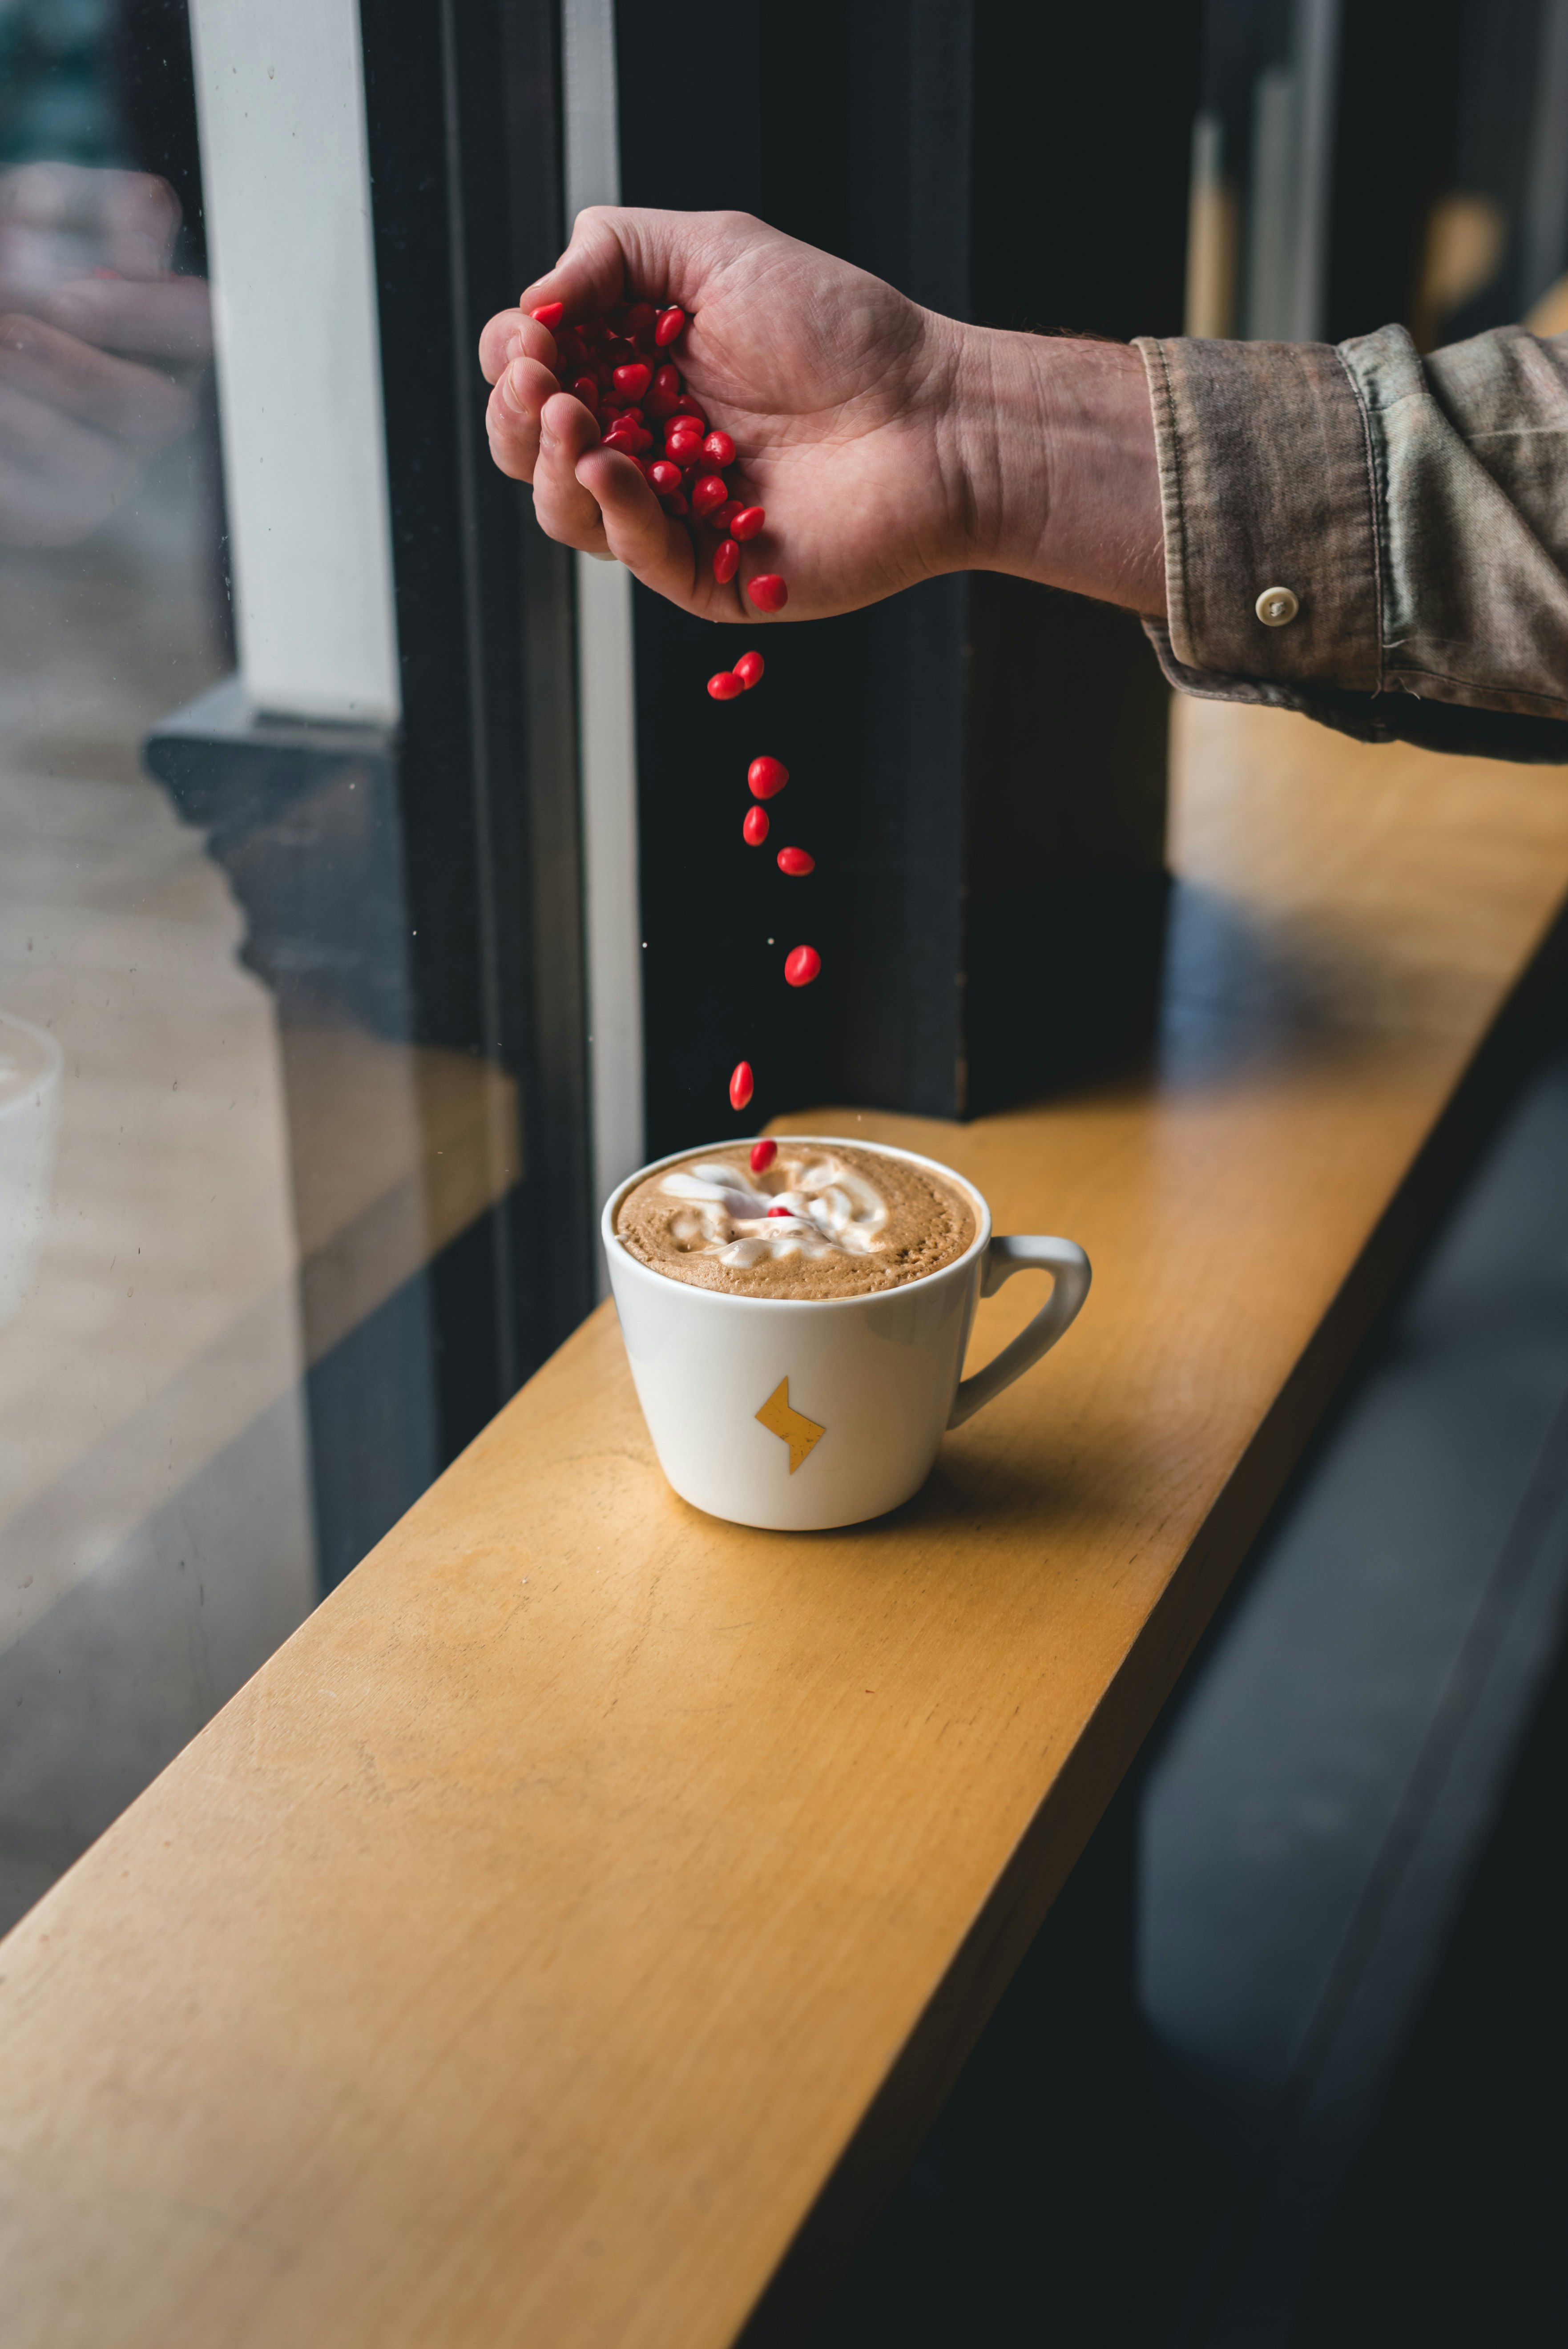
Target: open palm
column 836, row 389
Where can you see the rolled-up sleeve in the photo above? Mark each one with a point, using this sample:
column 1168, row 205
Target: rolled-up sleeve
column 1372, row 538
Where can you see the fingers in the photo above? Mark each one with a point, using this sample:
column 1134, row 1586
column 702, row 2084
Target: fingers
column 514, row 439
column 167, row 318
column 567, row 509
column 133, row 404
column 592, row 272
column 584, row 495
column 59, row 480
column 510, row 335
column 634, row 526
column 134, row 214
column 141, row 221
column 513, row 417
column 620, row 250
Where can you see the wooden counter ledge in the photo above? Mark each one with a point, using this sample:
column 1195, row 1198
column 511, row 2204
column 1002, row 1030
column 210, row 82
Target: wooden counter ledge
column 516, row 1957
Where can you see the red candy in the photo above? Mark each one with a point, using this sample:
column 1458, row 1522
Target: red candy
column 754, row 830
column 639, row 321
column 725, row 686
column 749, row 669
column 632, row 381
column 747, row 523
column 689, row 407
column 726, row 562
column 708, row 494
column 767, row 778
column 762, row 1157
column 778, row 1211
column 675, row 504
column 725, row 515
column 796, row 862
column 719, row 450
column 665, row 478
column 667, row 326
column 800, row 966
column 550, row 314
column 741, row 1085
column 769, row 593
column 587, row 391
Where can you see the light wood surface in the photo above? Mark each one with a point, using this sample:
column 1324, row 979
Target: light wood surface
column 515, row 1959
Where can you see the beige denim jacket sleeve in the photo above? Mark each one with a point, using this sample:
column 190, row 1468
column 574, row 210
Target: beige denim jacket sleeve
column 1409, row 514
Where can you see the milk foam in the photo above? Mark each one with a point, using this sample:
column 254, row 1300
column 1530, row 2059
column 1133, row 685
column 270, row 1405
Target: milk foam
column 831, row 1209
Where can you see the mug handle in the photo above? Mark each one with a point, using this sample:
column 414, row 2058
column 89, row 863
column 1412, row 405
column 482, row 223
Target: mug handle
column 1003, row 1257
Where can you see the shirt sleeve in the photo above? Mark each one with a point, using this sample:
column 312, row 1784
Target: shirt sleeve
column 1372, row 538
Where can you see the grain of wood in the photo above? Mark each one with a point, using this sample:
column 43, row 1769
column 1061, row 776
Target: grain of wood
column 516, row 1957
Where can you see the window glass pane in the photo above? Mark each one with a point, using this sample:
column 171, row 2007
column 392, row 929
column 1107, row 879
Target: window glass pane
column 267, row 980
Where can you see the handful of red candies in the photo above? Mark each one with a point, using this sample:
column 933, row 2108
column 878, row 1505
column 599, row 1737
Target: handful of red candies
column 613, row 364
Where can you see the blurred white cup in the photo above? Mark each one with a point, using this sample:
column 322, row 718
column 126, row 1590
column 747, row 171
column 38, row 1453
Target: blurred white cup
column 31, row 1067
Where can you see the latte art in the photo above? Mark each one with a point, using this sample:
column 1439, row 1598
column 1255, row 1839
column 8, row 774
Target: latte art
column 827, row 1206
column 822, row 1220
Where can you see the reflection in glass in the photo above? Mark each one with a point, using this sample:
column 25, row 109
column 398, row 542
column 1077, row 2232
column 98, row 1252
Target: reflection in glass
column 239, row 1150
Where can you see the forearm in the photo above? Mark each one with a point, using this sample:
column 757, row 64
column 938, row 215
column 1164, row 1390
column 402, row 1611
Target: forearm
column 1056, row 455
column 1416, row 510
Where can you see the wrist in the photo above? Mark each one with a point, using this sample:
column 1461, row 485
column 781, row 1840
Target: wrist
column 1058, row 474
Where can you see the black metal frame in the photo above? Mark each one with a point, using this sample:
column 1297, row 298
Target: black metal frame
column 463, row 110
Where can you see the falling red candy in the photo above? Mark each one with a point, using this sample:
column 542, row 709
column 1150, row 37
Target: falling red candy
column 779, row 1211
column 612, row 364
column 767, row 777
column 762, row 1157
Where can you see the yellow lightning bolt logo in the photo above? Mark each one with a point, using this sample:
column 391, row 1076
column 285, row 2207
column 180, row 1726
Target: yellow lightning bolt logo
column 792, row 1427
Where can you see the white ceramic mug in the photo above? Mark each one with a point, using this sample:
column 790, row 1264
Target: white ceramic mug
column 799, row 1414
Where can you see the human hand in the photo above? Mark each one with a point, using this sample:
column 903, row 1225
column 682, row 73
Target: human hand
column 887, row 444
column 837, row 391
column 87, row 300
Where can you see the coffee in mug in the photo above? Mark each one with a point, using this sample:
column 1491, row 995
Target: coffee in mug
column 796, row 1336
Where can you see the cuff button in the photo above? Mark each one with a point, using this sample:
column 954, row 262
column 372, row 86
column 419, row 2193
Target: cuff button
column 1276, row 607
